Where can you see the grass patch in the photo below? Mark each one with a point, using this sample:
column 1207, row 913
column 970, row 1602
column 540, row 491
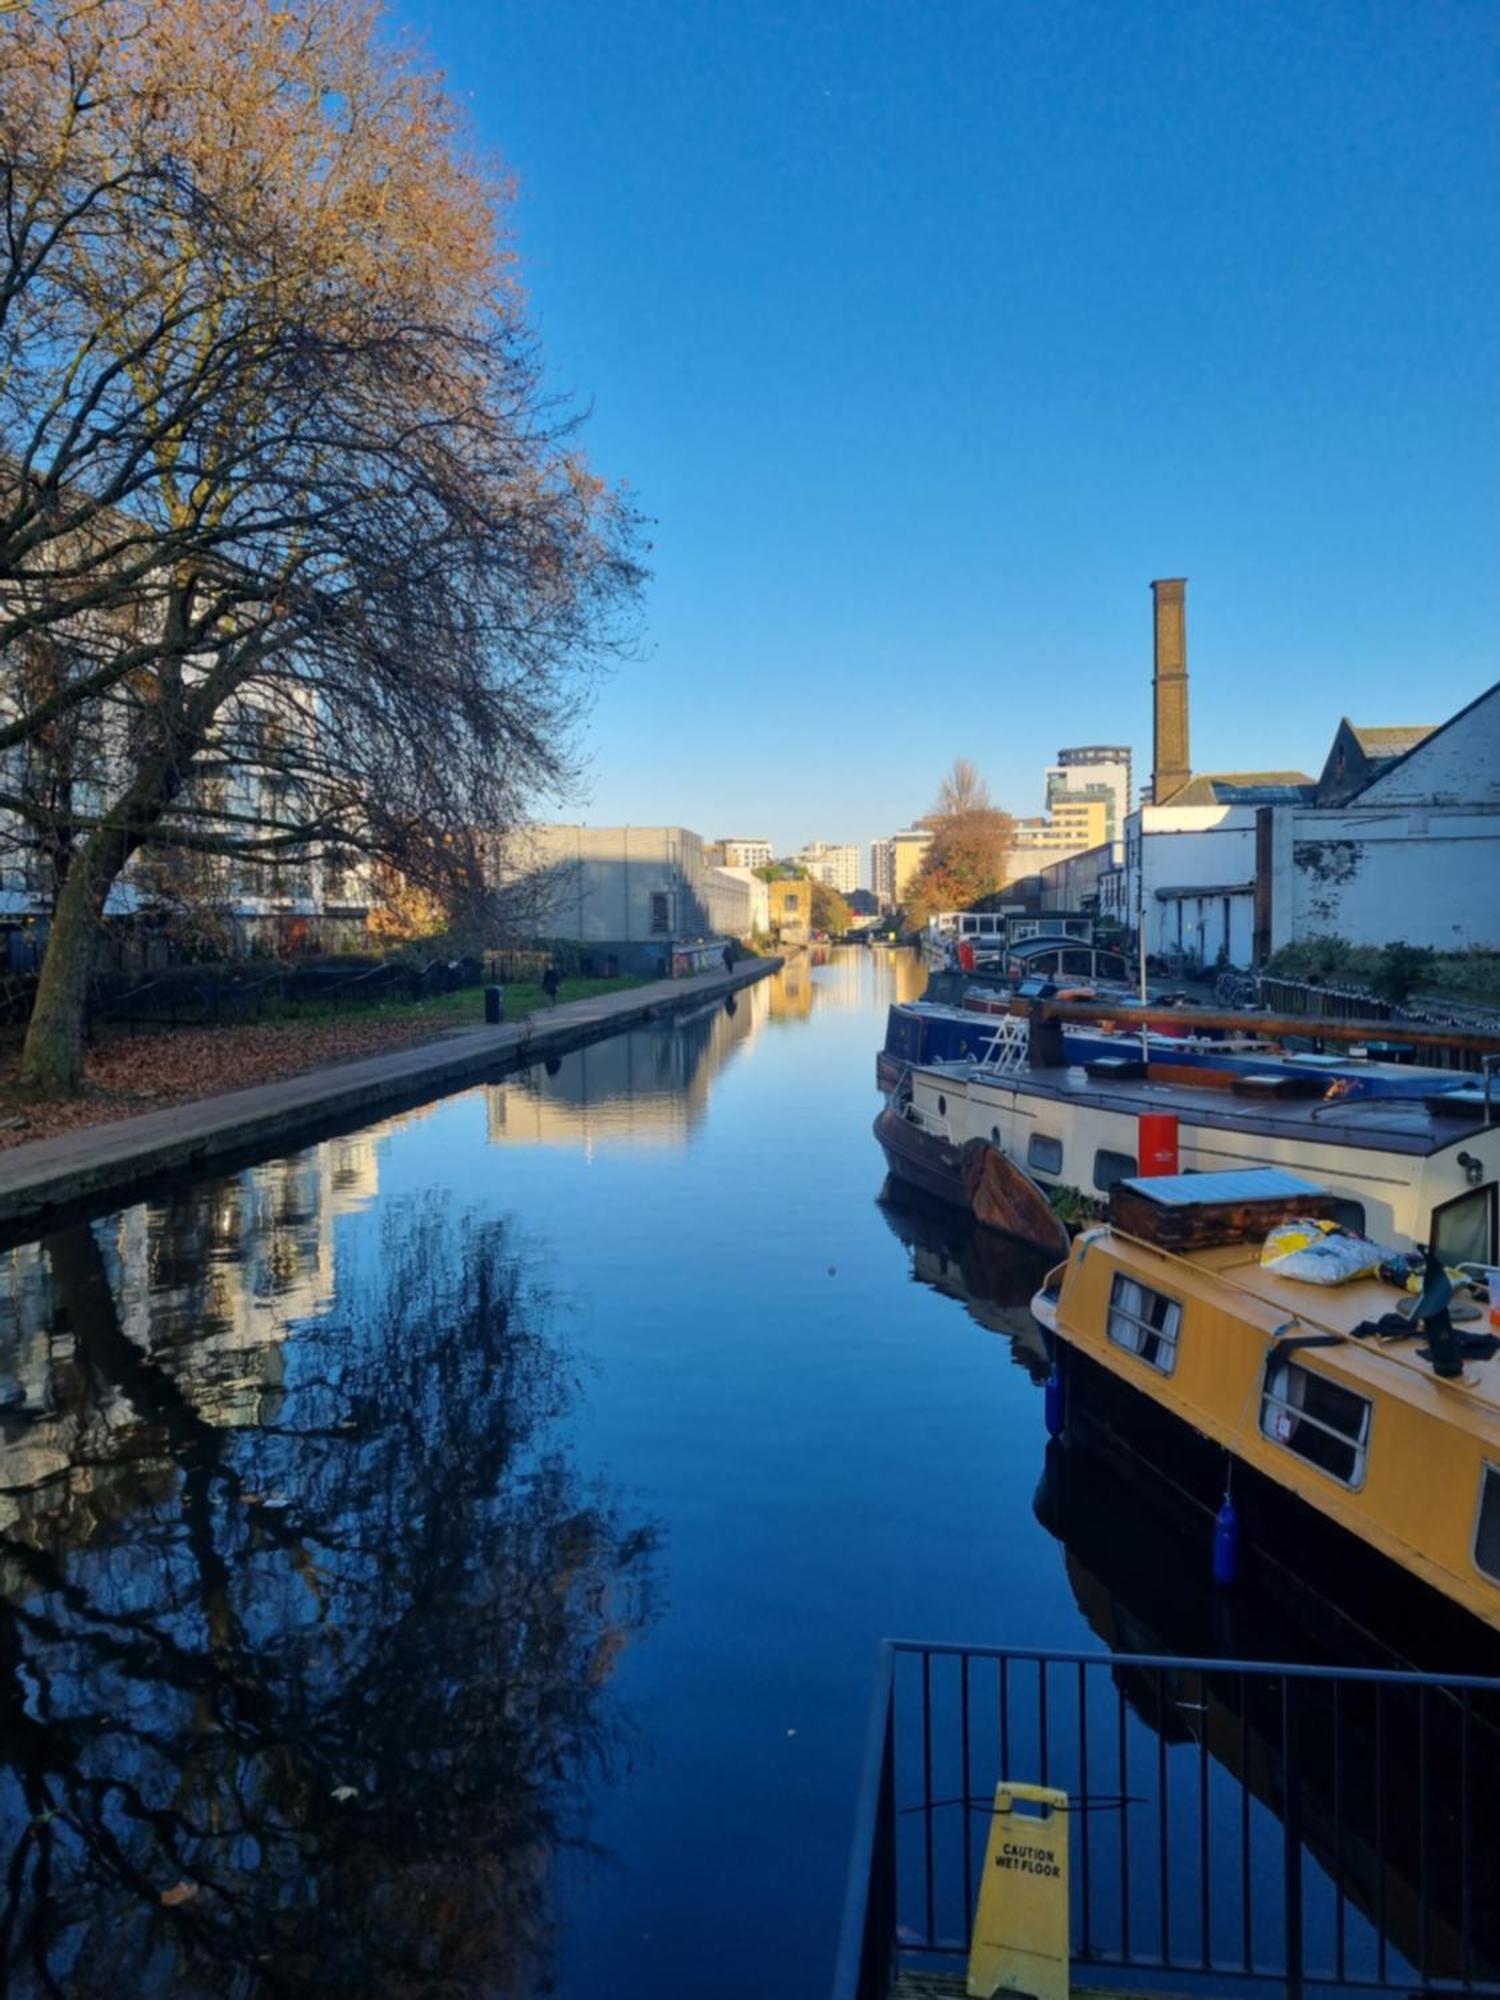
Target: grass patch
column 463, row 1009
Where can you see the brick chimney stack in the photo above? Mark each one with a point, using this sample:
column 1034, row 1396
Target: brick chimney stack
column 1171, row 766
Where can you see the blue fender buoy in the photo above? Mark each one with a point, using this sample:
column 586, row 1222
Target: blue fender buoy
column 1226, row 1559
column 1054, row 1403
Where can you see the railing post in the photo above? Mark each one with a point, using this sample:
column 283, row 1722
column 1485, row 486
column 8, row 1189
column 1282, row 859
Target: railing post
column 868, row 1935
column 1291, row 1837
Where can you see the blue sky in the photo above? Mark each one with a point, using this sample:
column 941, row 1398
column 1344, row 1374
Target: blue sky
column 928, row 334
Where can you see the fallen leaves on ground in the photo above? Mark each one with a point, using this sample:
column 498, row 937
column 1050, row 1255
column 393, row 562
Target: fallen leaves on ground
column 136, row 1073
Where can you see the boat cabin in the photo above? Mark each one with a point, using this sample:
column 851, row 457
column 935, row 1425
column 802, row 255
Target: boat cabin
column 1065, row 962
column 1405, row 1171
column 1327, row 1394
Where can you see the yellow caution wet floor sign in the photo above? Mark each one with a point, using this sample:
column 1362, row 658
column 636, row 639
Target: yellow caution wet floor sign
column 1020, row 1941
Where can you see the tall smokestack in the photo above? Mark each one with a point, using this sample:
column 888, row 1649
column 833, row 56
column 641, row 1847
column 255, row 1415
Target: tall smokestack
column 1171, row 767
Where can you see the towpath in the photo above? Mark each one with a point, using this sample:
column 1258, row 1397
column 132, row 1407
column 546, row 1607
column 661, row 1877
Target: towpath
column 96, row 1164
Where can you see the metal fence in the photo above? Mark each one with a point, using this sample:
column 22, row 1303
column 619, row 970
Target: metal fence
column 1317, row 1002
column 222, row 995
column 1233, row 1826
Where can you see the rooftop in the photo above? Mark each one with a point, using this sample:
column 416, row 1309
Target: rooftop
column 1222, row 788
column 1391, row 740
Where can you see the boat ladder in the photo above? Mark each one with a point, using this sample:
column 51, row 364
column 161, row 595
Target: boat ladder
column 1009, row 1049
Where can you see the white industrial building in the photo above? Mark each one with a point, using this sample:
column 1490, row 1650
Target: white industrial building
column 1397, row 839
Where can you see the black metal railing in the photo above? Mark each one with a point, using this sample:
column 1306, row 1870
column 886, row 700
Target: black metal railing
column 1233, row 1826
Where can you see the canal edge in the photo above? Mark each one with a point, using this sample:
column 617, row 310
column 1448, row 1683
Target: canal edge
column 98, row 1167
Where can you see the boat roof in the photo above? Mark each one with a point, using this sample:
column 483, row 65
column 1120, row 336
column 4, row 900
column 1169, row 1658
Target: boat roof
column 1239, row 1184
column 1377, row 1124
column 1031, row 947
column 1291, row 1310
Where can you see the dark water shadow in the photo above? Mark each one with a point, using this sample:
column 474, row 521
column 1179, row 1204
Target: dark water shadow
column 309, row 1622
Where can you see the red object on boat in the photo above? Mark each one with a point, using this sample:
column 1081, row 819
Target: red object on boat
column 965, row 956
column 1157, row 1143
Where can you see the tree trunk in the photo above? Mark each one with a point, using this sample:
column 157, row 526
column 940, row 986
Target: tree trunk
column 52, row 1058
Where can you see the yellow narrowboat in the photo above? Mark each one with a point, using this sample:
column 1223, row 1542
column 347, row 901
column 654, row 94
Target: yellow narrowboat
column 1330, row 1430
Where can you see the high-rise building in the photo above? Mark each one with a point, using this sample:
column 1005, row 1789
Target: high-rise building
column 742, row 853
column 1075, row 821
column 908, row 851
column 883, row 872
column 1093, row 771
column 833, row 863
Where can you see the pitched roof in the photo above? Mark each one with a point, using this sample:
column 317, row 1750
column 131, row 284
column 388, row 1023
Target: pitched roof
column 1379, row 776
column 1393, row 740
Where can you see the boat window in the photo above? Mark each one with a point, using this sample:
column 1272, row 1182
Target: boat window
column 1044, row 1153
column 1320, row 1420
column 1144, row 1321
column 1463, row 1230
column 1111, row 1167
column 942, row 1107
column 995, row 1137
column 1487, row 1528
column 1077, row 964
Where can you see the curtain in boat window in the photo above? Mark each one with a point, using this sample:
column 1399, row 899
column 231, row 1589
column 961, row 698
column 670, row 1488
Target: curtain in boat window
column 1144, row 1322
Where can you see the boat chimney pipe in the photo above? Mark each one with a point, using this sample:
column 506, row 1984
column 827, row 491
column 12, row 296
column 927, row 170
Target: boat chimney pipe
column 1171, row 766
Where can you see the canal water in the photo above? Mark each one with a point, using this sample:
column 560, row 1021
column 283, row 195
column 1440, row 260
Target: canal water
column 450, row 1559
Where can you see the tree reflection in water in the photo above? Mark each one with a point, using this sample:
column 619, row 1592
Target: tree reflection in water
column 330, row 1684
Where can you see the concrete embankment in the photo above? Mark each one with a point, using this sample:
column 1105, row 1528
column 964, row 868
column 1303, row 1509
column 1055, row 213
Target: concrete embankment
column 99, row 1166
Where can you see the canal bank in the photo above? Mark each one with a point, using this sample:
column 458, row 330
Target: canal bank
column 96, row 1165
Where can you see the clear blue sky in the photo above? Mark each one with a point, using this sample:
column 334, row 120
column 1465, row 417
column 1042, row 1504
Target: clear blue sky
column 929, row 333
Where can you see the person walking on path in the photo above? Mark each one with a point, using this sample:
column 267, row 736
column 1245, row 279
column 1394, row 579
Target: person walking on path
column 551, row 982
column 729, row 958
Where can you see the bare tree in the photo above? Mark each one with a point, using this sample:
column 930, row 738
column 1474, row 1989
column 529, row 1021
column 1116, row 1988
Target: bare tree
column 962, row 791
column 289, row 534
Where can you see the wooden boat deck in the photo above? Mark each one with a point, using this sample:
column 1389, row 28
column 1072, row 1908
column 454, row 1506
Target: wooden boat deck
column 1389, row 1363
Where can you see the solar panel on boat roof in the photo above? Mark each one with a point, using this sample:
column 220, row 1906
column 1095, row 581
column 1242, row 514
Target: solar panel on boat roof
column 1247, row 1184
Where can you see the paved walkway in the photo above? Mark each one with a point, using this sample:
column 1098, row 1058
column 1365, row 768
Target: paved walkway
column 85, row 1166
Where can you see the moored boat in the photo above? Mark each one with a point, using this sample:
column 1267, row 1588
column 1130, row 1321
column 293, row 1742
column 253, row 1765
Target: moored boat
column 1321, row 1412
column 1406, row 1170
column 970, row 1175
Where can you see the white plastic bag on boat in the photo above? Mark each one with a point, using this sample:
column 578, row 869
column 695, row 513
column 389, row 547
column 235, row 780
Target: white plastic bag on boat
column 1319, row 1253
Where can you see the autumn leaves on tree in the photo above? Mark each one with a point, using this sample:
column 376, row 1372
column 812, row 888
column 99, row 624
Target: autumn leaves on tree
column 970, row 847
column 296, row 561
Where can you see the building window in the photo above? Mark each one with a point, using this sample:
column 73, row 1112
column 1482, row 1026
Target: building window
column 1044, row 1153
column 1144, row 1322
column 1487, row 1527
column 1111, row 1167
column 1463, row 1231
column 661, row 912
column 791, row 904
column 1320, row 1420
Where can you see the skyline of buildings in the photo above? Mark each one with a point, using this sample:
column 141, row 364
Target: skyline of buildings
column 833, row 863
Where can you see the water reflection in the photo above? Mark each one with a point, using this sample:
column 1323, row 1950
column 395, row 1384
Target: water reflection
column 308, row 1616
column 648, row 1086
column 993, row 1279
